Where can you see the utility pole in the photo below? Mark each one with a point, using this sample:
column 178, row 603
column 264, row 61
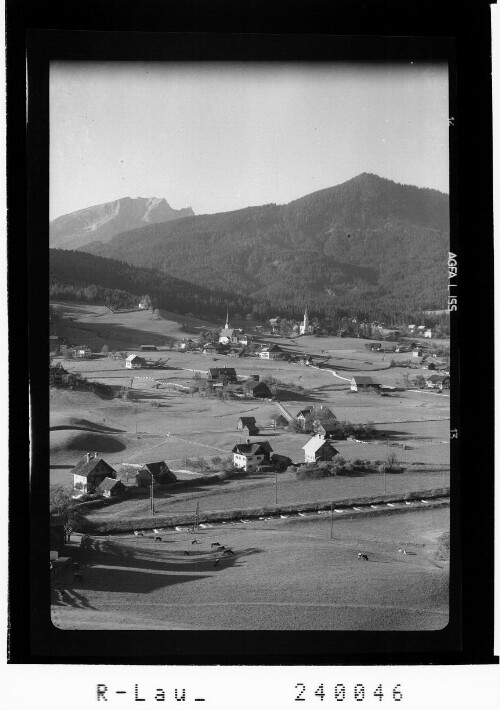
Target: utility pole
column 152, row 495
column 276, row 484
column 331, row 521
column 197, row 516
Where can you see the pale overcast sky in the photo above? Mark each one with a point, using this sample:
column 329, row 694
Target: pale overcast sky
column 221, row 136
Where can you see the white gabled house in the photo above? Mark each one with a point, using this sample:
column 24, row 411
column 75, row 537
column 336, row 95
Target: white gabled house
column 319, row 449
column 248, row 456
column 134, row 362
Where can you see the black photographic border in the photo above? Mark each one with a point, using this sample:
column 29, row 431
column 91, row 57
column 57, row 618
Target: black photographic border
column 378, row 31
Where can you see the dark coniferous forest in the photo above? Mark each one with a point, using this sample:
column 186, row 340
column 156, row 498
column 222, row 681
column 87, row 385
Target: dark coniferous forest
column 369, row 247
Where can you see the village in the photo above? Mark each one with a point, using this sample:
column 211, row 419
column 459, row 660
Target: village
column 177, row 438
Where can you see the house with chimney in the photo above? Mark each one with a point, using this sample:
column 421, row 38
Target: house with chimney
column 90, row 472
column 249, row 456
column 83, row 351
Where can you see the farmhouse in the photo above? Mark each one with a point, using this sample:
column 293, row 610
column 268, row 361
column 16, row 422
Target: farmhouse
column 257, row 389
column 83, row 351
column 438, row 382
column 302, row 416
column 363, row 382
column 249, row 425
column 158, row 470
column 271, row 352
column 327, row 429
column 249, row 456
column 59, row 376
column 134, row 362
column 222, row 374
column 90, row 472
column 110, row 487
column 318, row 449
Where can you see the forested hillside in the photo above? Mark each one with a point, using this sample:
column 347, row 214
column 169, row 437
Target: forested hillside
column 370, row 246
column 77, row 276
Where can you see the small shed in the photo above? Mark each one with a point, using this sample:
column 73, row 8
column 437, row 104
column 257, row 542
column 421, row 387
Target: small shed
column 281, row 462
column 148, row 348
column 327, row 430
column 110, row 487
column 302, row 416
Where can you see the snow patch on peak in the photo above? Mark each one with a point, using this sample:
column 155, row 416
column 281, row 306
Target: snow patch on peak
column 151, row 205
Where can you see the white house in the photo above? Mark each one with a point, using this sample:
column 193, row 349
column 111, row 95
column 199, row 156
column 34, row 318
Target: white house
column 134, row 362
column 248, row 456
column 83, row 351
column 319, row 449
column 428, row 333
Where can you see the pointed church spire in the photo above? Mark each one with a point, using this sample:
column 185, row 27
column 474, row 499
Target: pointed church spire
column 227, row 318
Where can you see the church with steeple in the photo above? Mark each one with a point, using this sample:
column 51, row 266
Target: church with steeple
column 304, row 327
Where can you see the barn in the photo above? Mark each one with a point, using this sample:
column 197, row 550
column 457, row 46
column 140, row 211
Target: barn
column 249, row 425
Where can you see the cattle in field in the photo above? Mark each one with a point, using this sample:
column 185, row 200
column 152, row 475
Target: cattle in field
column 157, row 539
column 362, row 556
column 215, row 545
column 227, row 552
column 138, row 534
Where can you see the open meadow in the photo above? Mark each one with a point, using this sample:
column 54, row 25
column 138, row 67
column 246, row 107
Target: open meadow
column 283, row 576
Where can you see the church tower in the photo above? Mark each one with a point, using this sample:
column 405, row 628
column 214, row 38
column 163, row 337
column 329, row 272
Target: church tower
column 227, row 319
column 304, row 328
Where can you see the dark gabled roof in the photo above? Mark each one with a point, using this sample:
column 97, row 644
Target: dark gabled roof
column 249, row 421
column 85, row 468
column 252, row 384
column 328, row 426
column 304, row 412
column 281, row 458
column 253, row 448
column 279, row 418
column 156, row 467
column 108, row 484
column 438, row 378
column 364, row 380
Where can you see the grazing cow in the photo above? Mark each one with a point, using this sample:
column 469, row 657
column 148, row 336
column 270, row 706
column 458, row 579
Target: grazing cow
column 155, row 531
column 227, row 552
column 361, row 556
column 157, row 539
column 215, row 545
column 138, row 534
column 78, row 577
column 194, row 542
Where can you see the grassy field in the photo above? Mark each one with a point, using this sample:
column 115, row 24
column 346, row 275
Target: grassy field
column 283, row 575
column 161, row 421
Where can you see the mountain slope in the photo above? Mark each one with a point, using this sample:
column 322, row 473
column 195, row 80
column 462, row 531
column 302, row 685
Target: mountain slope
column 368, row 241
column 75, row 275
column 103, row 222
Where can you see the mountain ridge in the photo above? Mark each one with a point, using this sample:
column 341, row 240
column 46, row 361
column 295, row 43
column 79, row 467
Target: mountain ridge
column 108, row 219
